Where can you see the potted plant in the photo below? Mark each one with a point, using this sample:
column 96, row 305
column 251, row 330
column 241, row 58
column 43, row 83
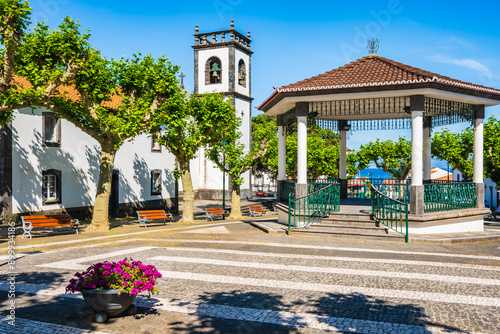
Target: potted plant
column 110, row 288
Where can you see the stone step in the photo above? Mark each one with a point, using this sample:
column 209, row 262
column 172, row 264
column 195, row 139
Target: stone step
column 367, row 229
column 349, row 218
column 391, row 236
column 352, row 223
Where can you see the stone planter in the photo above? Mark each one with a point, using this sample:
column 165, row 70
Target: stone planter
column 107, row 303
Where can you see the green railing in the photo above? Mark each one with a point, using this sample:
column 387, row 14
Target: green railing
column 390, row 212
column 287, row 187
column 306, row 210
column 449, row 196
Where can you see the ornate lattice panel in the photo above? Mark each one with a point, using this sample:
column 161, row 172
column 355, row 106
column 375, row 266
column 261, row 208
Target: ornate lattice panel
column 386, row 105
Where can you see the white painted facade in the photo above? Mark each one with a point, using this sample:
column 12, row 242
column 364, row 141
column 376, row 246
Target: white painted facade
column 77, row 159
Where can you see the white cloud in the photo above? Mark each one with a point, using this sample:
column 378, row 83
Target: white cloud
column 469, row 63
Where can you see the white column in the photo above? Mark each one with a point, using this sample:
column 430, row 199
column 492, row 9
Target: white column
column 478, row 150
column 417, row 124
column 343, row 155
column 281, row 153
column 302, row 149
column 427, row 153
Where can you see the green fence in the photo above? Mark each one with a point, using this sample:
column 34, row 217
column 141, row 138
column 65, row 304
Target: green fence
column 287, row 187
column 390, row 212
column 305, row 210
column 449, row 196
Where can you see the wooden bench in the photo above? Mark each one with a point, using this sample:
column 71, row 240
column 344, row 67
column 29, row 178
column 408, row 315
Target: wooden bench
column 31, row 222
column 148, row 215
column 212, row 212
column 245, row 210
column 255, row 209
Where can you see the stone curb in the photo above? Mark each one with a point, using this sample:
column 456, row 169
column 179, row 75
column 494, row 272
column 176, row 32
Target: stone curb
column 449, row 241
column 264, row 228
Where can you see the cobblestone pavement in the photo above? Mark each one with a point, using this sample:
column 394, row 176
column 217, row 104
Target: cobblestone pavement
column 228, row 277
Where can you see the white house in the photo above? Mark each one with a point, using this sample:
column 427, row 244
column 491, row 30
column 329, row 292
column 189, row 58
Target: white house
column 50, row 166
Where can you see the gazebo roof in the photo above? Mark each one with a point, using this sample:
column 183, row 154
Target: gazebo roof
column 376, row 73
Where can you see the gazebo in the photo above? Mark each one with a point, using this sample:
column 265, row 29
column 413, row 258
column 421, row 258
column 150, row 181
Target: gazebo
column 373, row 93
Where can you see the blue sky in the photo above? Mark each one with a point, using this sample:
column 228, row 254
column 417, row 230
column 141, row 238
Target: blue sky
column 294, row 40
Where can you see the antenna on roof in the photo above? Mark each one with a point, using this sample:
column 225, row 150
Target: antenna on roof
column 373, row 45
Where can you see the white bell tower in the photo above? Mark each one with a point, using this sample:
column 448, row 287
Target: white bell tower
column 222, row 64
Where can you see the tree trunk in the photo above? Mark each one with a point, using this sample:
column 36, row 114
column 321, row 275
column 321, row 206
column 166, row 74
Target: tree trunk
column 100, row 218
column 187, row 187
column 235, row 203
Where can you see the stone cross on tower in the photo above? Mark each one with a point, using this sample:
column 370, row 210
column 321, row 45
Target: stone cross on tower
column 182, row 79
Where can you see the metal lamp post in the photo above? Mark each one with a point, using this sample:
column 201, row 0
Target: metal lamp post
column 224, row 144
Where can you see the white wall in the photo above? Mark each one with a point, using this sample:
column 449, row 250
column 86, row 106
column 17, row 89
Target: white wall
column 135, row 160
column 78, row 161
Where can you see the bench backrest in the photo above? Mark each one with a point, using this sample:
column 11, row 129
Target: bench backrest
column 48, row 219
column 152, row 214
column 215, row 211
column 257, row 208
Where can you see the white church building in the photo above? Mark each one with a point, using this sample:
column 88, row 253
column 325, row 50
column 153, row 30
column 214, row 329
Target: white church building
column 47, row 165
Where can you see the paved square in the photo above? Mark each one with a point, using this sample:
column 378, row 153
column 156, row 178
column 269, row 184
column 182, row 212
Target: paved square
column 228, row 277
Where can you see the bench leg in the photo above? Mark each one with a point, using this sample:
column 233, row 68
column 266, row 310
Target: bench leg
column 142, row 222
column 26, row 232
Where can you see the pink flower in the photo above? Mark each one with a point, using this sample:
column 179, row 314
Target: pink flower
column 133, row 291
column 125, row 284
column 105, row 273
column 126, row 276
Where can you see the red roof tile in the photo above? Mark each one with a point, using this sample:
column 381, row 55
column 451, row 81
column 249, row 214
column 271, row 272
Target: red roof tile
column 72, row 93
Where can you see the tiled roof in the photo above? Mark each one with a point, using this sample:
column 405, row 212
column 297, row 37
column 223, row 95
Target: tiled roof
column 374, row 70
column 72, row 93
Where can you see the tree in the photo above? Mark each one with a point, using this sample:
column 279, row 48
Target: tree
column 14, row 19
column 59, row 60
column 235, row 161
column 392, row 157
column 356, row 162
column 190, row 125
column 268, row 163
column 456, row 148
column 110, row 100
column 116, row 101
column 492, row 149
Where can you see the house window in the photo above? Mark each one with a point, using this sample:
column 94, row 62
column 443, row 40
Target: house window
column 242, row 73
column 155, row 146
column 51, row 130
column 156, row 182
column 213, row 71
column 51, row 187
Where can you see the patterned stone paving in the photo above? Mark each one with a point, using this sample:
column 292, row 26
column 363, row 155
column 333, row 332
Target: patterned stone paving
column 255, row 285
